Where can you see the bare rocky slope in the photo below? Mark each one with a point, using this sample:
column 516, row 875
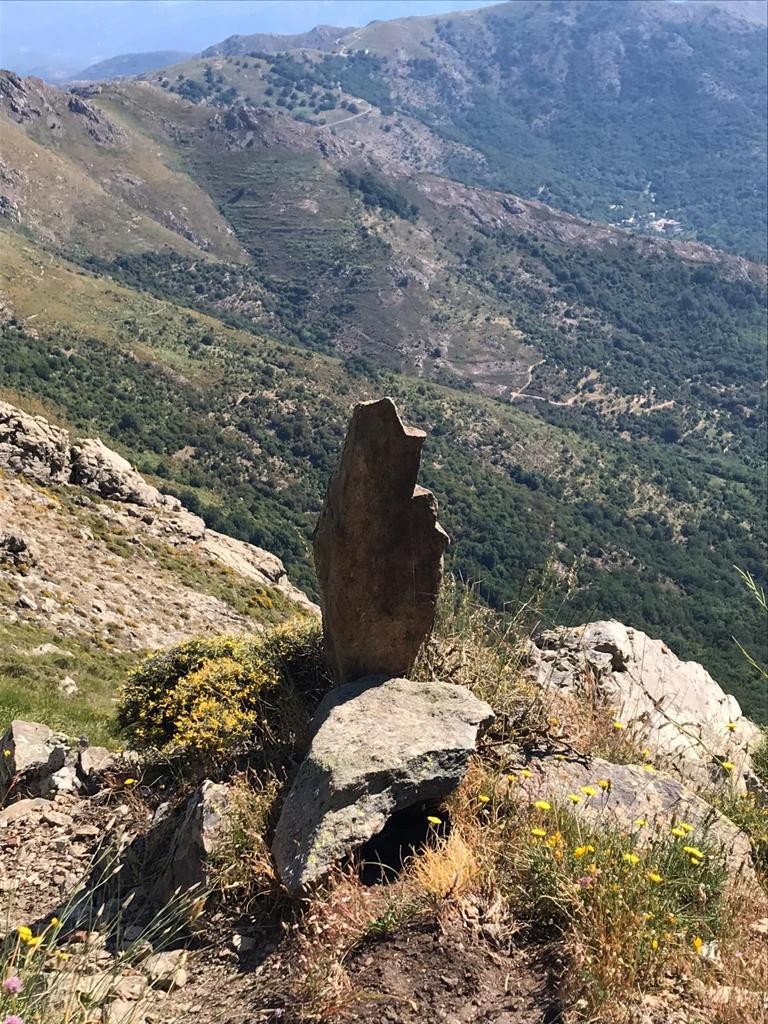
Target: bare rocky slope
column 102, row 544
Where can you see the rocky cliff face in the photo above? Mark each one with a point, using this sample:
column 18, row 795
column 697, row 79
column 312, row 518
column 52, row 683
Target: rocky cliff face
column 92, row 548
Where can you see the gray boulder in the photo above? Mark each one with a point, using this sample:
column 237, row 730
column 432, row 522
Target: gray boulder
column 32, row 755
column 379, row 746
column 95, row 466
column 16, row 551
column 674, row 708
column 634, row 796
column 186, row 842
column 32, row 446
column 93, row 761
column 378, row 548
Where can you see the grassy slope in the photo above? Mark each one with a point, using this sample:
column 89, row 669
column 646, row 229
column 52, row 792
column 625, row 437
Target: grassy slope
column 513, row 490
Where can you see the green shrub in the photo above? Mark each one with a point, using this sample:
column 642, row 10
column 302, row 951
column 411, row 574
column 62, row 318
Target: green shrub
column 209, row 696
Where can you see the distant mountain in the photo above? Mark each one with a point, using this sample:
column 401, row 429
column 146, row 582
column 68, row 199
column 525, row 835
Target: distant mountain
column 650, row 115
column 321, row 37
column 128, row 64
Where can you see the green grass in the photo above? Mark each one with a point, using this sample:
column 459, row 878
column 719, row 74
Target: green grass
column 29, row 684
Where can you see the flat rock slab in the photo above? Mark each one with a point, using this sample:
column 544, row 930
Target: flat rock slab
column 378, row 747
column 378, row 549
column 635, row 795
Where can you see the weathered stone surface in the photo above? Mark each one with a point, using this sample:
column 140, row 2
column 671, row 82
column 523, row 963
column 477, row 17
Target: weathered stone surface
column 15, row 550
column 192, row 840
column 379, row 746
column 24, row 810
column 31, row 446
column 635, row 795
column 31, row 756
column 674, row 708
column 94, row 760
column 378, row 548
column 167, row 970
column 256, row 564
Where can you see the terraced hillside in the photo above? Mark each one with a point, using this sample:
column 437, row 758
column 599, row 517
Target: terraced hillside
column 638, row 113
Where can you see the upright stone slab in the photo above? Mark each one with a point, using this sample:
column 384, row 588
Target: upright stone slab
column 378, row 549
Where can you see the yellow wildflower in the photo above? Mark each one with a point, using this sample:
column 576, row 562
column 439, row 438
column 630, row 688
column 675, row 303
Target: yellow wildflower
column 679, row 832
column 526, row 773
column 62, row 956
column 604, row 783
column 647, row 916
column 697, row 943
column 511, row 778
column 618, row 726
column 580, row 851
column 433, row 819
column 575, row 798
column 6, row 752
column 728, row 766
column 24, row 933
column 538, row 832
column 543, row 805
column 654, row 944
column 589, row 791
column 34, row 941
column 731, row 726
column 694, row 851
column 686, row 827
column 695, row 861
column 649, row 768
column 654, row 876
column 130, row 782
column 630, row 858
column 640, row 822
column 483, row 798
column 554, row 840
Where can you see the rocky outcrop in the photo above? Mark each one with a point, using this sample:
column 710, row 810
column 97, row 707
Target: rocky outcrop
column 32, row 447
column 15, row 550
column 35, row 761
column 378, row 747
column 192, row 840
column 675, row 709
column 378, row 548
column 254, row 564
column 634, row 801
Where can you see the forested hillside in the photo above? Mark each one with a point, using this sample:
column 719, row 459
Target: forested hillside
column 651, row 115
column 210, row 284
column 246, row 430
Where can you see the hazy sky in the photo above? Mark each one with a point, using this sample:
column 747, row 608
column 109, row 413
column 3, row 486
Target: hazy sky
column 75, row 33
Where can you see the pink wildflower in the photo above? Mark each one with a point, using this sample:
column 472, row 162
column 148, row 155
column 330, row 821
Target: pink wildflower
column 12, row 1018
column 13, row 985
column 585, row 881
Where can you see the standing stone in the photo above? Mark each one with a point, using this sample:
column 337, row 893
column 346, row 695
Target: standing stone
column 378, row 549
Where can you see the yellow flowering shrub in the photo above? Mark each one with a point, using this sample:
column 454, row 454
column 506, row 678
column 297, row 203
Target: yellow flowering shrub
column 210, row 695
